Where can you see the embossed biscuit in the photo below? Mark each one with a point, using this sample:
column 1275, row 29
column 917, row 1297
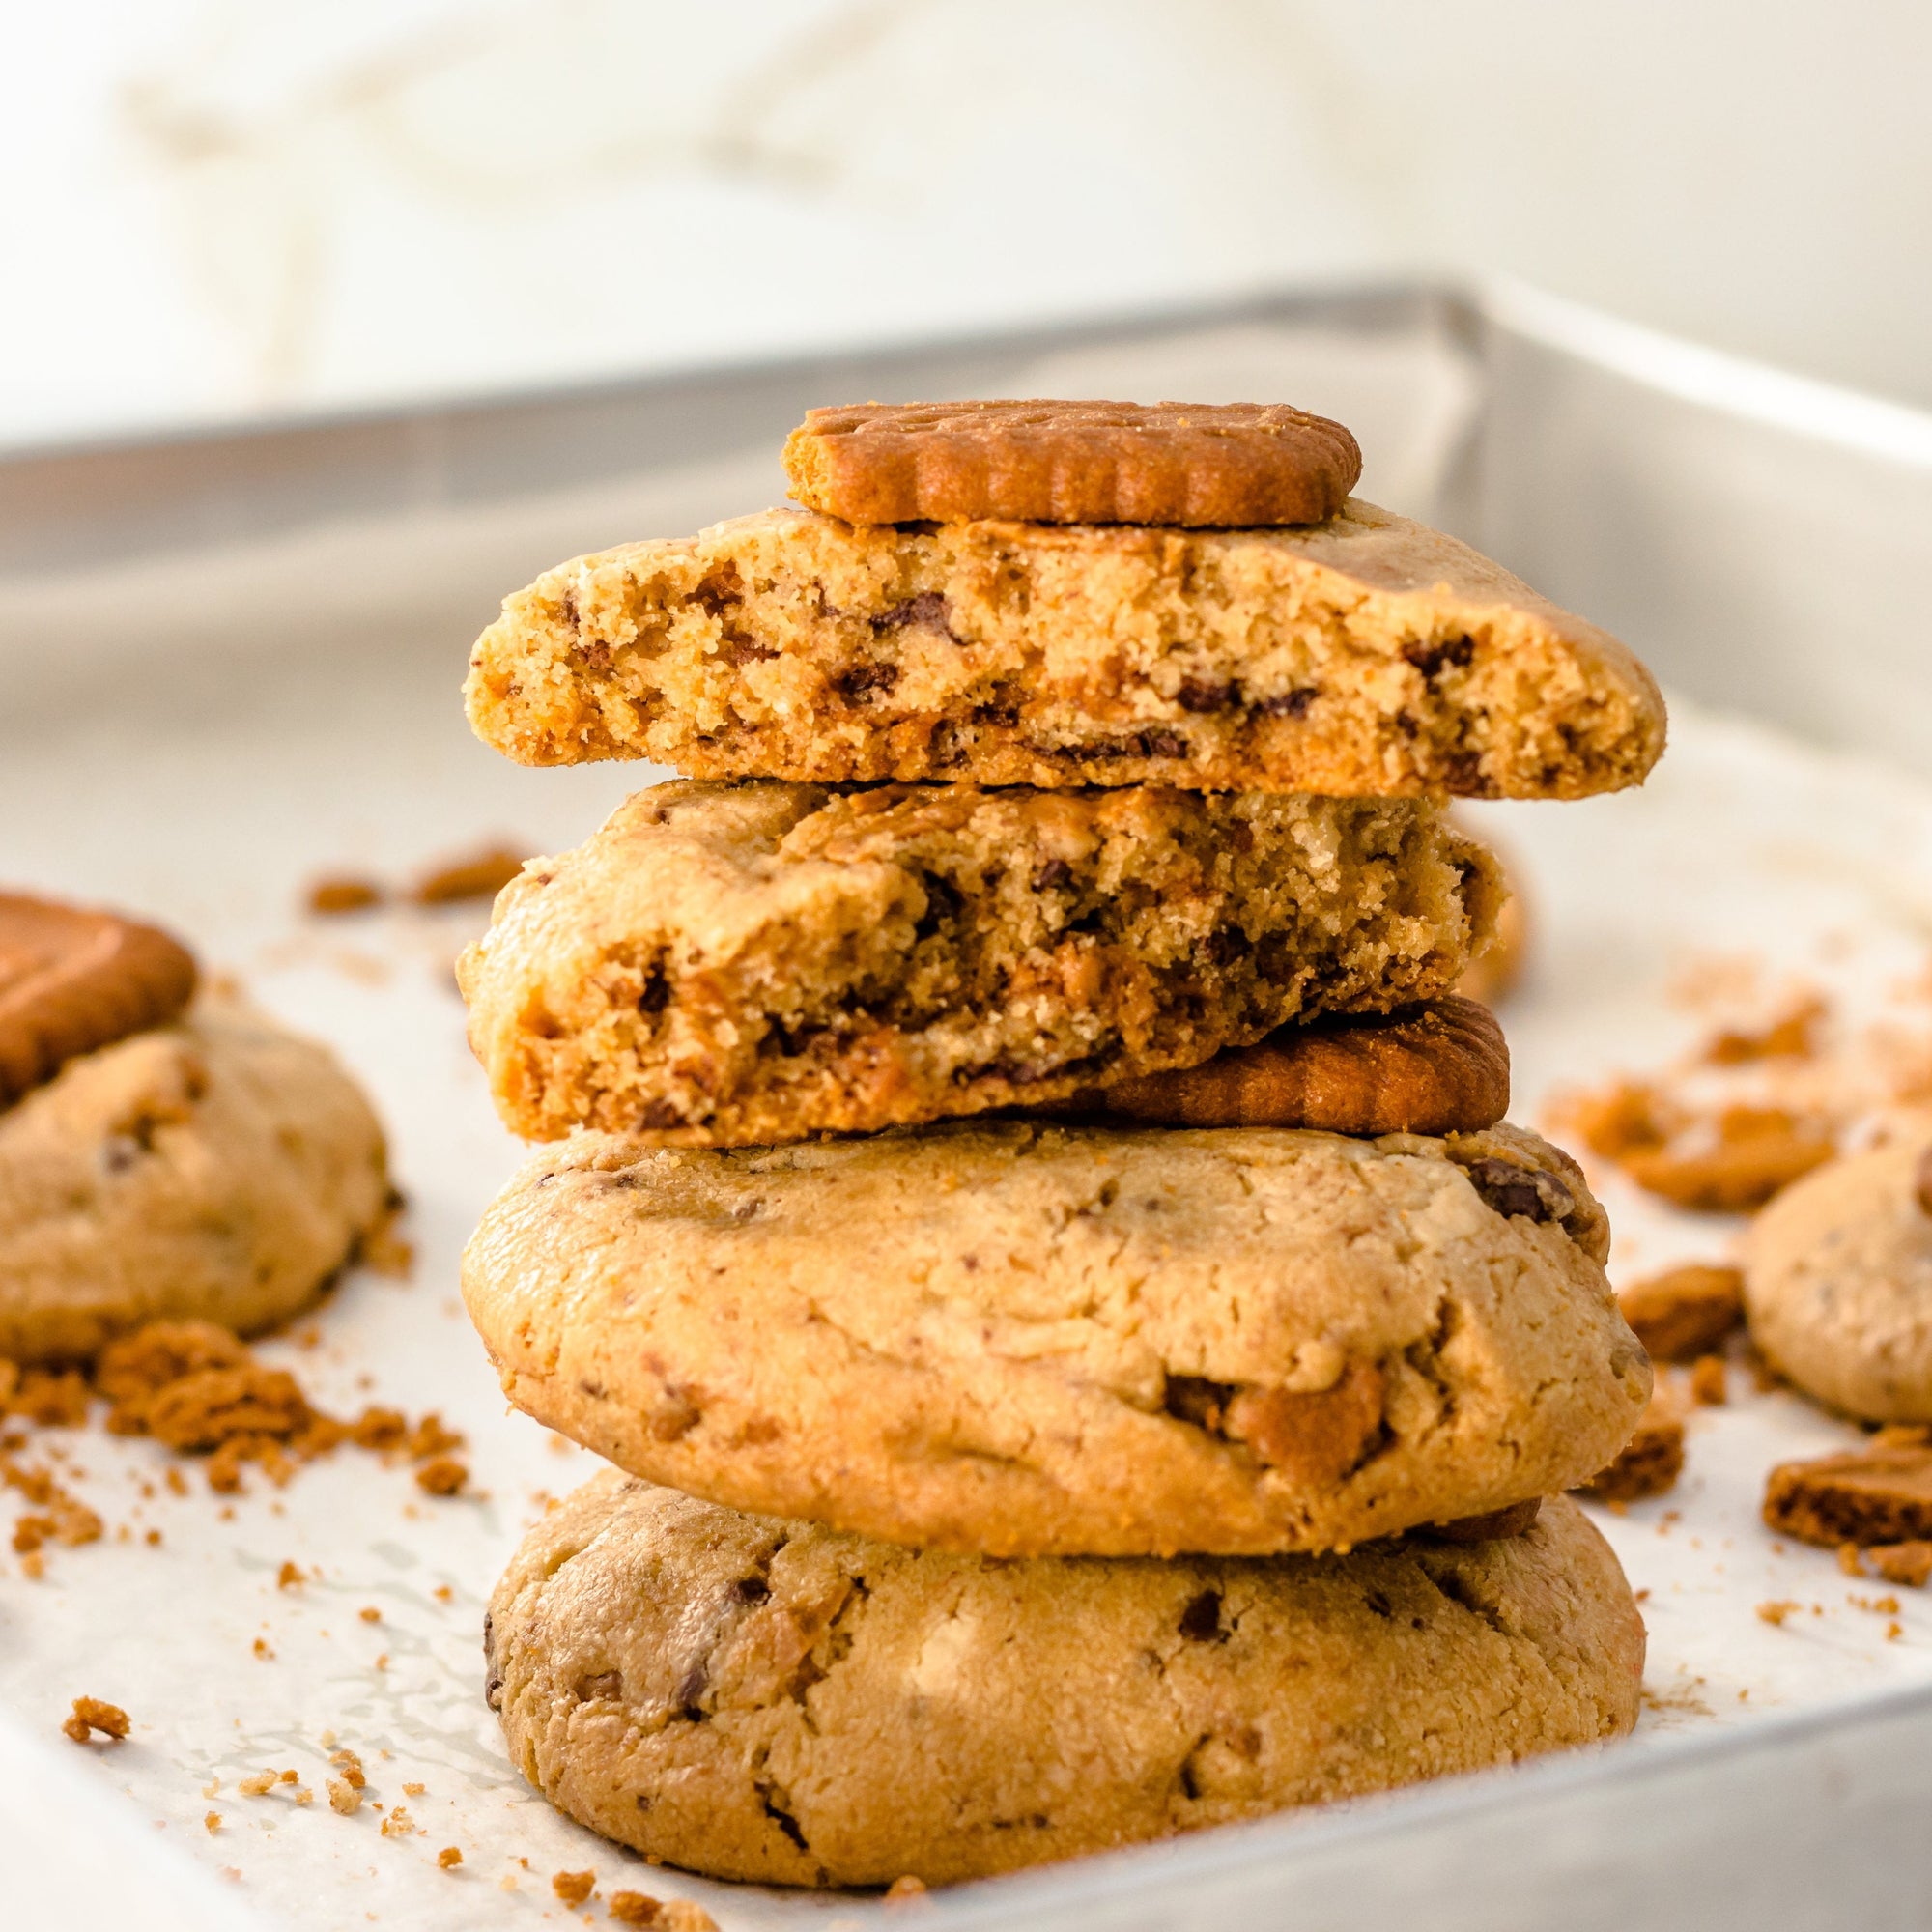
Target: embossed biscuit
column 1022, row 1338
column 1234, row 465
column 732, row 965
column 762, row 1700
column 216, row 1169
column 73, row 979
column 1365, row 656
column 1438, row 1068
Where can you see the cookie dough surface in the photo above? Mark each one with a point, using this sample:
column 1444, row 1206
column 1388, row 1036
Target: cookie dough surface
column 735, row 965
column 1366, row 654
column 766, row 1700
column 220, row 1169
column 1838, row 1283
column 1021, row 1340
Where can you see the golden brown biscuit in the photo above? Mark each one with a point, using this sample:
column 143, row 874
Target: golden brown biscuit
column 764, row 1701
column 72, row 979
column 1438, row 1069
column 1020, row 1339
column 1882, row 1494
column 1235, row 464
column 1366, row 657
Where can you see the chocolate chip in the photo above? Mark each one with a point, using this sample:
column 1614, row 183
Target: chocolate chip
column 1201, row 1620
column 1196, row 1400
column 1163, row 744
column 659, row 1113
column 751, row 1590
column 656, row 995
column 860, row 680
column 1428, row 659
column 721, row 594
column 1525, row 1193
column 696, row 1681
column 944, row 902
column 1288, row 703
column 928, row 610
column 1053, row 873
column 1202, row 694
column 672, row 1417
column 1224, row 945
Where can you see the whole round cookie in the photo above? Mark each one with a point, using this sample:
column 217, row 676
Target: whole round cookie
column 219, row 1169
column 1023, row 1339
column 766, row 1700
column 1838, row 1283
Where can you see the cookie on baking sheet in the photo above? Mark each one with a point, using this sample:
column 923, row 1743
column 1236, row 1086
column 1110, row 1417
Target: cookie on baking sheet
column 1367, row 655
column 1231, row 463
column 74, row 978
column 1023, row 1340
column 735, row 965
column 1438, row 1068
column 217, row 1169
column 1837, row 1282
column 761, row 1699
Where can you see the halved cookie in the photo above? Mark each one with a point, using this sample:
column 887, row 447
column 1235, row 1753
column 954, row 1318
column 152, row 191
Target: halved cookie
column 733, row 965
column 765, row 1700
column 1363, row 656
column 1022, row 1339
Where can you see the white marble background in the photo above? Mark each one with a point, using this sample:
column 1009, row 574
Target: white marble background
column 212, row 208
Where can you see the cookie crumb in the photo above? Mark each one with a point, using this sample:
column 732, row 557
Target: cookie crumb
column 573, row 1888
column 211, row 1822
column 263, row 1651
column 290, row 1578
column 634, row 1908
column 399, row 1825
column 344, row 1799
column 450, row 1858
column 1707, row 1381
column 370, row 1614
column 91, row 1715
column 257, row 1785
column 905, row 1887
column 1776, row 1612
column 414, row 1790
column 334, row 894
column 442, row 1476
column 481, row 876
column 684, row 1915
column 1907, row 1563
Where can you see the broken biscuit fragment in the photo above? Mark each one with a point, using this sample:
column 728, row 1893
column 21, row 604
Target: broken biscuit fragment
column 1684, row 1312
column 1879, row 1494
column 90, row 1715
column 1649, row 1463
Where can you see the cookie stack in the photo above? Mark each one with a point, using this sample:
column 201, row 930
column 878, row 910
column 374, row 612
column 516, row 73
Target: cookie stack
column 1026, row 1214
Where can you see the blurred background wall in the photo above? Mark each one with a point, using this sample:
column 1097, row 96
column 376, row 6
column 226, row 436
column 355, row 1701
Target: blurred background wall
column 216, row 207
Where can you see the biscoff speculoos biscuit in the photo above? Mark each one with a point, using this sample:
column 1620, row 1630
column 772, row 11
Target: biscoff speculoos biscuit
column 1238, row 464
column 764, row 1701
column 1024, row 1339
column 74, row 978
column 1363, row 656
column 733, row 965
column 1438, row 1069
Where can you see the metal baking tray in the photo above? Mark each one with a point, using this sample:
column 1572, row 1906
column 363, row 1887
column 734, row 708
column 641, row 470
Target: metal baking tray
column 187, row 621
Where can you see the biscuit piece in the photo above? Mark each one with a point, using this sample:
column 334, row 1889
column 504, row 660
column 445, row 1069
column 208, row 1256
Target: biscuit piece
column 219, row 1169
column 1365, row 656
column 73, row 979
column 1237, row 464
column 1877, row 1495
column 1028, row 1340
column 1685, row 1312
column 1838, row 1284
column 1434, row 1069
column 733, row 965
column 1649, row 1463
column 761, row 1699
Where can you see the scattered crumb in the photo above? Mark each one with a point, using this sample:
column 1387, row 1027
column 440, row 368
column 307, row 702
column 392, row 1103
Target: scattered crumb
column 414, row 1790
column 444, row 1594
column 1907, row 1563
column 450, row 1858
column 684, row 1915
column 290, row 1777
column 344, row 1797
column 634, row 1908
column 1893, row 1631
column 288, row 1577
column 1883, row 1606
column 480, row 876
column 573, row 1888
column 211, row 1822
column 903, row 1888
column 263, row 1651
column 370, row 1614
column 1707, row 1381
column 1776, row 1612
column 91, row 1715
column 340, row 892
column 257, row 1785
column 399, row 1825
column 442, row 1476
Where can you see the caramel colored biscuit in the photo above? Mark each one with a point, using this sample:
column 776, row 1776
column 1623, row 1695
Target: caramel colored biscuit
column 1236, row 465
column 1440, row 1069
column 72, row 979
column 737, row 965
column 1882, row 1494
column 765, row 1700
column 1684, row 1312
column 1363, row 657
column 1029, row 1339
column 1650, row 1463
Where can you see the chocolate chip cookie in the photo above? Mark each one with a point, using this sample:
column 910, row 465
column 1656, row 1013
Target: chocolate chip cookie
column 219, row 1169
column 1020, row 1339
column 732, row 965
column 1366, row 654
column 765, row 1700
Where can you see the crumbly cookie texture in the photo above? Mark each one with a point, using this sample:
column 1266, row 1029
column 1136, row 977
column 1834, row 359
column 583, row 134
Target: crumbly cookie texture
column 1024, row 1339
column 765, row 1700
column 734, row 965
column 220, row 1169
column 1838, row 1283
column 1234, row 464
column 1366, row 654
